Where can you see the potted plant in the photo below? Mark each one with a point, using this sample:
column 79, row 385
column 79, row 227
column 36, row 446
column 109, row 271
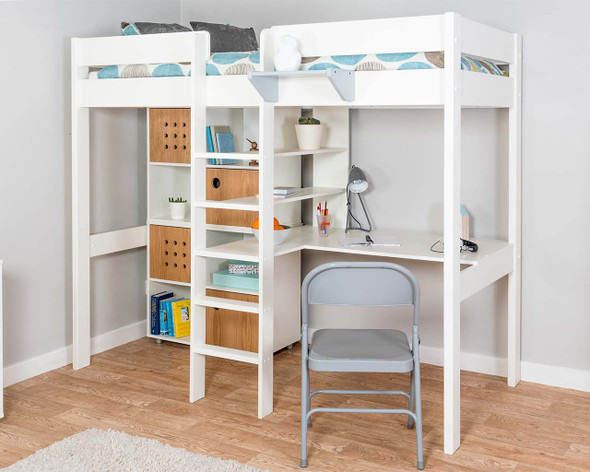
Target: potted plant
column 309, row 133
column 177, row 208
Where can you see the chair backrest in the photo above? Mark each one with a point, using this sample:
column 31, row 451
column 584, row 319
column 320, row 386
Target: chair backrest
column 360, row 284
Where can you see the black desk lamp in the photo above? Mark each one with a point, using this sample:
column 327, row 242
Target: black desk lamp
column 357, row 184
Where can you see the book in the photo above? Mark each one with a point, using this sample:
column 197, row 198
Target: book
column 210, row 147
column 284, row 191
column 222, row 129
column 181, row 318
column 225, row 144
column 156, row 299
column 166, row 316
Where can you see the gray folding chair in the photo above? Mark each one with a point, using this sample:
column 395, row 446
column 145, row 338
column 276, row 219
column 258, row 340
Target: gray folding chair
column 361, row 350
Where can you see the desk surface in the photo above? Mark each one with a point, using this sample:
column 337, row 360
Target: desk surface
column 415, row 246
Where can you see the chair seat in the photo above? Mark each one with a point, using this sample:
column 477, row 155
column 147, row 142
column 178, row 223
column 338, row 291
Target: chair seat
column 360, row 350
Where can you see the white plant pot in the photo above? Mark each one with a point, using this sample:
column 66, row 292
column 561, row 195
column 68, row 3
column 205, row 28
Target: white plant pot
column 309, row 137
column 177, row 210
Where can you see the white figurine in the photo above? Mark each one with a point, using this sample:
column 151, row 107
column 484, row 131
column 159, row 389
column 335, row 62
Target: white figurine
column 287, row 56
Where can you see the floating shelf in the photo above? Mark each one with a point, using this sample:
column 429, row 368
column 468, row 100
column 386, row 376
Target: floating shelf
column 253, row 204
column 267, row 83
column 247, row 156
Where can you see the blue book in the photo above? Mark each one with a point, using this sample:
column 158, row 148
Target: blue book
column 210, row 144
column 166, row 321
column 225, row 143
column 156, row 301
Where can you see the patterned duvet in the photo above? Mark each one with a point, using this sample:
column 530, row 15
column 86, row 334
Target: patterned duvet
column 240, row 63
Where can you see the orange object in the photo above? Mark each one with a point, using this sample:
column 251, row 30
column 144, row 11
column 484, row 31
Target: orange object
column 256, row 224
column 278, row 227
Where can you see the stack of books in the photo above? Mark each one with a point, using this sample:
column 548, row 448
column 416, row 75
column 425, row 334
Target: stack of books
column 170, row 316
column 285, row 191
column 220, row 139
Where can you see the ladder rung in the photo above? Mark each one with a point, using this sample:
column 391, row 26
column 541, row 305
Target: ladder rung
column 226, row 353
column 237, row 204
column 227, row 304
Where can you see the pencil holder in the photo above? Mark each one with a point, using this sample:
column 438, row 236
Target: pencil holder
column 324, row 224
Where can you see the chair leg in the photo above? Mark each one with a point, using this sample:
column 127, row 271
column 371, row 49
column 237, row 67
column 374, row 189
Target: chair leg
column 411, row 400
column 304, row 410
column 418, row 406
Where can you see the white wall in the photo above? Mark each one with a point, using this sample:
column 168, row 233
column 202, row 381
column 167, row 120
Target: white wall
column 401, row 151
column 35, row 175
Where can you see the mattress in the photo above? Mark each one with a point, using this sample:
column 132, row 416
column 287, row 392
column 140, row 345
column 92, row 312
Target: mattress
column 240, row 63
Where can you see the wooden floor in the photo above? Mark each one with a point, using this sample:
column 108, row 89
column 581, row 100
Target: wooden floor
column 142, row 388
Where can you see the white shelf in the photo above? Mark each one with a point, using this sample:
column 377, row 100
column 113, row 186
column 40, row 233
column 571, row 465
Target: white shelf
column 415, row 246
column 167, row 220
column 226, row 353
column 233, row 290
column 182, row 340
column 247, row 156
column 169, row 164
column 171, row 282
column 227, row 304
column 230, row 166
column 252, row 203
column 230, row 229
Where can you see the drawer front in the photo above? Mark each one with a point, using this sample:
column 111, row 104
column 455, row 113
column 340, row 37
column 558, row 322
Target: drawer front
column 232, row 329
column 170, row 135
column 170, row 253
column 225, row 184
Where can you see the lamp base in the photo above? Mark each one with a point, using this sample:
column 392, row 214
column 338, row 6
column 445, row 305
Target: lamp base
column 350, row 216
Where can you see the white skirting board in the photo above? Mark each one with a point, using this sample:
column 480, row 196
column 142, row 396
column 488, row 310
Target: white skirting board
column 555, row 376
column 60, row 357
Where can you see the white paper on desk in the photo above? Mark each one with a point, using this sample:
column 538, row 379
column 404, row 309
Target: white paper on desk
column 378, row 241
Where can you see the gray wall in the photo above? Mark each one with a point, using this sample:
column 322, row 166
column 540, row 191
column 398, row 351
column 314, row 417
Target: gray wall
column 401, row 151
column 35, row 176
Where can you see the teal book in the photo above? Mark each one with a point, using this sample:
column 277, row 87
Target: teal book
column 210, row 147
column 225, row 143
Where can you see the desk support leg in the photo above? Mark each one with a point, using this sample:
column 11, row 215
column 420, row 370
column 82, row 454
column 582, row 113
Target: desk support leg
column 514, row 216
column 266, row 255
column 452, row 202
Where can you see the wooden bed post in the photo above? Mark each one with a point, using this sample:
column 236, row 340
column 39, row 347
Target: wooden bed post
column 514, row 215
column 80, row 220
column 452, row 201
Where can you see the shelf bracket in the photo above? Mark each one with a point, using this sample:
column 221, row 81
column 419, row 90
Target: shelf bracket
column 267, row 83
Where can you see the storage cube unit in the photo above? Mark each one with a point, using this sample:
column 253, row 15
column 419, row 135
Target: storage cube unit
column 233, row 329
column 170, row 135
column 226, row 184
column 170, row 251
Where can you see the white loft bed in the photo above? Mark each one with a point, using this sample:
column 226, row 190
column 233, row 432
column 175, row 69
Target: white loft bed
column 449, row 88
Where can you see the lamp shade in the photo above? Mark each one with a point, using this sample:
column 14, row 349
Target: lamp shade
column 357, row 182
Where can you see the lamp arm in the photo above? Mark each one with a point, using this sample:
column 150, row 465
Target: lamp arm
column 366, row 214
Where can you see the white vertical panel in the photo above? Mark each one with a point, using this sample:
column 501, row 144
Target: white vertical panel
column 452, row 198
column 514, row 215
column 1, row 352
column 198, row 215
column 266, row 255
column 80, row 219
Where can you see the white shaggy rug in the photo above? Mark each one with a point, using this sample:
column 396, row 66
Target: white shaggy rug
column 95, row 450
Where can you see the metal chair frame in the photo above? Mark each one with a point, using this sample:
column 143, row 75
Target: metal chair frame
column 396, row 298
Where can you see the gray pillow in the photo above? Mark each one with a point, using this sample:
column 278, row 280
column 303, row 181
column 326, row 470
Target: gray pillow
column 143, row 27
column 228, row 38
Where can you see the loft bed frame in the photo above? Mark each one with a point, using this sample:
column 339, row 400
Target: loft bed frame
column 450, row 88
